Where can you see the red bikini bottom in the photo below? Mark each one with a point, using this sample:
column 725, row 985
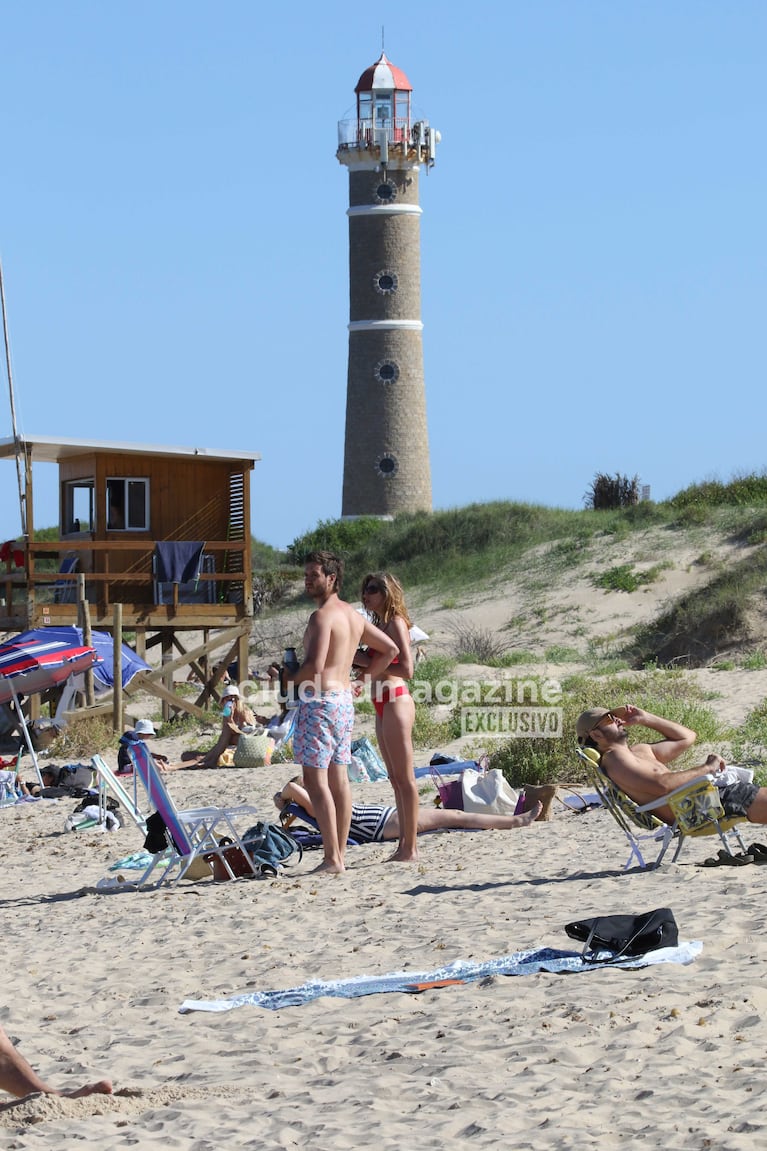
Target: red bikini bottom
column 387, row 695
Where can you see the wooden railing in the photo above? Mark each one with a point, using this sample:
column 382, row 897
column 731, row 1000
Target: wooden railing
column 20, row 584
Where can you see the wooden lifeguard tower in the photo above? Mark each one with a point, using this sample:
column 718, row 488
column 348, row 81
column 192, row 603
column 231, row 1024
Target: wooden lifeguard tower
column 123, row 508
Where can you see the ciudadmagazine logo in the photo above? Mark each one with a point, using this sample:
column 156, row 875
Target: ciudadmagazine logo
column 509, row 709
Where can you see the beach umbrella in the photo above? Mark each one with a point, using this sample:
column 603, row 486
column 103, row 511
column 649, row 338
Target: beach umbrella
column 35, row 661
column 103, row 644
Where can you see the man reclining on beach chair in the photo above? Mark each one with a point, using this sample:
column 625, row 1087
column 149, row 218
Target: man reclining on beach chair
column 374, row 823
column 640, row 770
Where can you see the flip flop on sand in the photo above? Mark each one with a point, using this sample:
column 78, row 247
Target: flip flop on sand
column 724, row 859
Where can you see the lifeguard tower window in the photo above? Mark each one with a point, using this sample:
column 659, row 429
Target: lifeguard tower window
column 77, row 506
column 128, row 504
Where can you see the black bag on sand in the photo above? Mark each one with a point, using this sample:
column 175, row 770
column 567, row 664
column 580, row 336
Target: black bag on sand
column 625, row 936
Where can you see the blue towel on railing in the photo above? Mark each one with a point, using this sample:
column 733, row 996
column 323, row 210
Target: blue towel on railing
column 178, row 561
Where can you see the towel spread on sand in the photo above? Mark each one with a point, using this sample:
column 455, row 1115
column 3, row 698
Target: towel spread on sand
column 461, row 971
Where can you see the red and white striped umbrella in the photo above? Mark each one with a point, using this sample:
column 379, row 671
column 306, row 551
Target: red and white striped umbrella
column 32, row 662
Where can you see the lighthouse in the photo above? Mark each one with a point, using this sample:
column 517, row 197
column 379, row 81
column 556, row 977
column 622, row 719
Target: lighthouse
column 386, row 447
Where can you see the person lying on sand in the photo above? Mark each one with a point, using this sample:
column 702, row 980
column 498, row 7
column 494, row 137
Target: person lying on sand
column 640, row 770
column 374, row 823
column 18, row 1078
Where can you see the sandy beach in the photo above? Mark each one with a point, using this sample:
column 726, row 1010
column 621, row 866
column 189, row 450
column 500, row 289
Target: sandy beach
column 668, row 1055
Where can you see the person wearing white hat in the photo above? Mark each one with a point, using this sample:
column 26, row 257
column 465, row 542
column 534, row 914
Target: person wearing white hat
column 236, row 720
column 143, row 730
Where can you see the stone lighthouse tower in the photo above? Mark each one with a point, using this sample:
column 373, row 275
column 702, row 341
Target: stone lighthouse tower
column 386, row 452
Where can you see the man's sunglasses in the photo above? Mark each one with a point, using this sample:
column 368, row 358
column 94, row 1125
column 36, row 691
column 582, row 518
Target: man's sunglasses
column 608, row 717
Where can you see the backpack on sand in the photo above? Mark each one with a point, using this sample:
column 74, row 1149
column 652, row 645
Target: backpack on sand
column 269, row 847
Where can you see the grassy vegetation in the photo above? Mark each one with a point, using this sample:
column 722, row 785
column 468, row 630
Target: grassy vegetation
column 452, row 554
column 666, row 693
column 455, row 548
column 625, row 577
column 701, row 625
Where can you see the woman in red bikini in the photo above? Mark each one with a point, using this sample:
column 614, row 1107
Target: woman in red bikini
column 384, row 600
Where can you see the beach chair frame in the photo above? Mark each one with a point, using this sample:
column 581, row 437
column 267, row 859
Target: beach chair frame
column 696, row 807
column 192, row 834
column 107, row 782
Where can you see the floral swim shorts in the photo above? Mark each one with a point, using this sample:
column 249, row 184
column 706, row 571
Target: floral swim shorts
column 323, row 732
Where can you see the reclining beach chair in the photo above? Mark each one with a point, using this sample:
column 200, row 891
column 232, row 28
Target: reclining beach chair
column 696, row 807
column 191, row 835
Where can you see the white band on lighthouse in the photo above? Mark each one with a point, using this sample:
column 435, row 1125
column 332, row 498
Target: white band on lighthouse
column 385, row 210
column 385, row 326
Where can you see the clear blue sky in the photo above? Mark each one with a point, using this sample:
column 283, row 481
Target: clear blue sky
column 174, row 237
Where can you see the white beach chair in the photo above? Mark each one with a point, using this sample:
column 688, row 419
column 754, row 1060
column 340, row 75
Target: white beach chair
column 191, row 835
column 109, row 782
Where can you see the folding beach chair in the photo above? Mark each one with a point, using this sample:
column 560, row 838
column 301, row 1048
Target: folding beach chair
column 191, row 835
column 696, row 807
column 10, row 791
column 109, row 782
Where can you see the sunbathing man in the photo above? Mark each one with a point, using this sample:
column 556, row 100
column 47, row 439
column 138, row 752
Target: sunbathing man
column 640, row 770
column 375, row 822
column 18, row 1078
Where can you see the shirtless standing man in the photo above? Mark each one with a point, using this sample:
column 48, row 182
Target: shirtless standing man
column 640, row 770
column 322, row 738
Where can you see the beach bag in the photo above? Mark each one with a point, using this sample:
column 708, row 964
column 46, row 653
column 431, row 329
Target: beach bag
column 625, row 935
column 252, row 750
column 366, row 764
column 71, row 776
column 487, row 791
column 450, row 794
column 237, row 860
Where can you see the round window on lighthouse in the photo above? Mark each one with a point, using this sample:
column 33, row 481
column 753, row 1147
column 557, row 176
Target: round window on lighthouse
column 386, row 191
column 385, row 282
column 386, row 372
column 387, row 466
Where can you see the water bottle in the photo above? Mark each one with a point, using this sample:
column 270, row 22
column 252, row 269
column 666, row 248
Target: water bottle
column 290, row 665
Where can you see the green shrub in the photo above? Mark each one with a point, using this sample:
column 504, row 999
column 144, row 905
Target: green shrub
column 742, row 490
column 342, row 537
column 612, row 491
column 620, row 578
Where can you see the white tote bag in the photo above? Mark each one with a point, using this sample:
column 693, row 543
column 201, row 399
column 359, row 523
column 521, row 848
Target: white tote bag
column 488, row 791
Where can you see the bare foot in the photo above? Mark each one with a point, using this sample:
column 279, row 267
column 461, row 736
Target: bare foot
column 103, row 1087
column 528, row 817
column 328, row 869
column 403, row 857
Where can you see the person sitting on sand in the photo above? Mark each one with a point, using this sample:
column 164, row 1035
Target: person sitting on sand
column 143, row 730
column 375, row 822
column 18, row 1078
column 640, row 770
column 237, row 719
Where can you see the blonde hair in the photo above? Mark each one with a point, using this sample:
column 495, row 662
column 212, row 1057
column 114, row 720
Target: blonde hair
column 393, row 595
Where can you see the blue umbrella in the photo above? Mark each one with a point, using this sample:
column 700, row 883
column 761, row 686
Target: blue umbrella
column 101, row 642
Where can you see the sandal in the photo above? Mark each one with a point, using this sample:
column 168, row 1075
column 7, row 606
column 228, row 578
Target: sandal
column 724, row 859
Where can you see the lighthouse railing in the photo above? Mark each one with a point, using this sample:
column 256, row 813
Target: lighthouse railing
column 367, row 134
